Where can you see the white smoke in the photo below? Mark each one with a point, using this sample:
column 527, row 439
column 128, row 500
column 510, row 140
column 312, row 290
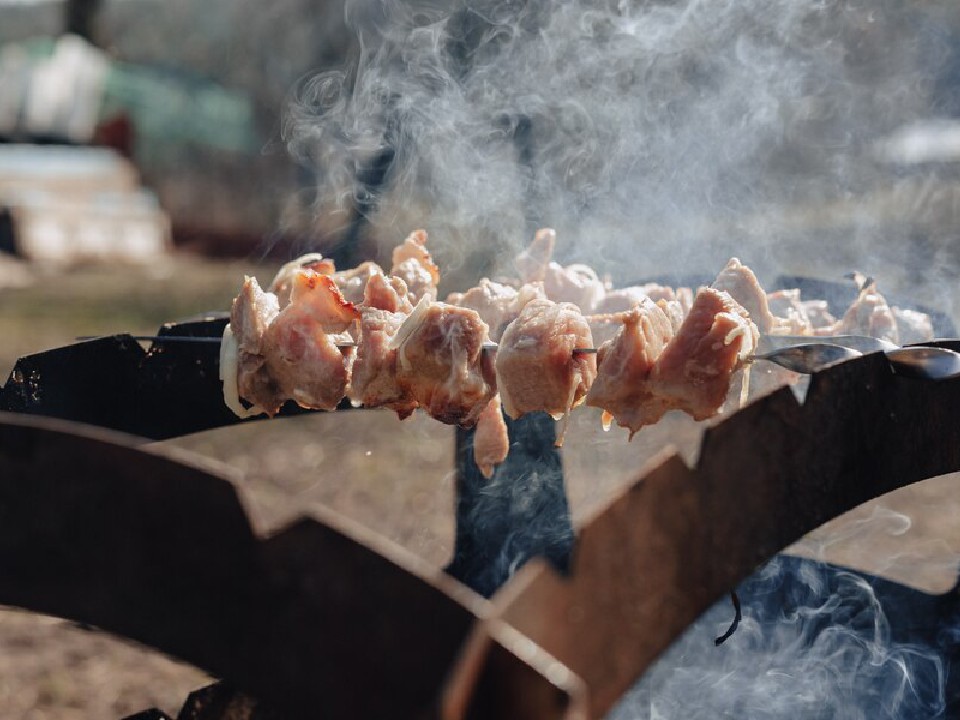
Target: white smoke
column 650, row 134
column 812, row 644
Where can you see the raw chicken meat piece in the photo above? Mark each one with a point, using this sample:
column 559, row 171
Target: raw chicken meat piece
column 537, row 370
column 300, row 345
column 622, row 387
column 441, row 363
column 694, row 371
column 412, row 263
column 491, row 441
column 623, row 299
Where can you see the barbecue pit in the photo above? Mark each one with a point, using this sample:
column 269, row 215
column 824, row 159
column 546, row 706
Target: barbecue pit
column 324, row 614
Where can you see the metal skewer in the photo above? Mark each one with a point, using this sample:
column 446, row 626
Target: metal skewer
column 806, row 356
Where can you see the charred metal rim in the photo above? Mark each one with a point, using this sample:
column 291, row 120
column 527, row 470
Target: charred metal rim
column 158, row 549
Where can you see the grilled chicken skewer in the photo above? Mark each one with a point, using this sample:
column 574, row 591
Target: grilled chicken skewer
column 559, row 338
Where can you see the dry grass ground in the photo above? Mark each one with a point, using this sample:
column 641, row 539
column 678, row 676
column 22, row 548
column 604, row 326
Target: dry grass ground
column 394, row 477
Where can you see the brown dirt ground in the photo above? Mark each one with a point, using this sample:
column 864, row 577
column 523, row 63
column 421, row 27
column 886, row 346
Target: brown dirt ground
column 394, row 477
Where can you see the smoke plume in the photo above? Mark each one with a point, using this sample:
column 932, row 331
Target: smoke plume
column 651, row 134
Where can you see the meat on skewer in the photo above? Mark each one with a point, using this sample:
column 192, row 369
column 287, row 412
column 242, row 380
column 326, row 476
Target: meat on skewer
column 491, row 442
column 497, row 304
column 374, row 379
column 868, row 315
column 412, row 263
column 537, row 369
column 695, row 369
column 622, row 388
column 440, row 362
column 300, row 346
column 577, row 284
column 282, row 284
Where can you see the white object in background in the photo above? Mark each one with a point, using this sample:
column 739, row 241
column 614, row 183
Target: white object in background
column 66, row 91
column 924, row 141
column 15, row 71
column 73, row 204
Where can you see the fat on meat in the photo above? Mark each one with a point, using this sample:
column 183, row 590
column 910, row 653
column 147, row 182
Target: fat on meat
column 441, row 363
column 695, row 369
column 622, row 388
column 300, row 345
column 607, row 315
column 491, row 441
column 282, row 283
column 412, row 263
column 252, row 313
column 537, row 370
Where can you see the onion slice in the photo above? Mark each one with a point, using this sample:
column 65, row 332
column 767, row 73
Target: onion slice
column 229, row 363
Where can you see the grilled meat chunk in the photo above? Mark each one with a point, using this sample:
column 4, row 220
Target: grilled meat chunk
column 694, row 371
column 532, row 263
column 282, row 284
column 577, row 284
column 412, row 263
column 738, row 281
column 868, row 315
column 491, row 442
column 787, row 306
column 537, row 369
column 374, row 382
column 498, row 305
column 493, row 302
column 440, row 362
column 386, row 293
column 622, row 388
column 352, row 283
column 300, row 345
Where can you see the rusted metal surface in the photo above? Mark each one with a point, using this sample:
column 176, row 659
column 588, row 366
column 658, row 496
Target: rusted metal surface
column 651, row 561
column 157, row 548
column 327, row 617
